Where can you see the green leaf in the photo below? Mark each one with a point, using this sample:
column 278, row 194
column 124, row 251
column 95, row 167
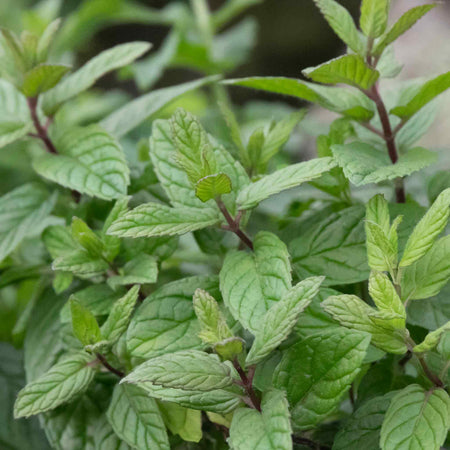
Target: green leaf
column 283, row 179
column 252, row 283
column 140, row 270
column 62, row 281
column 427, row 276
column 427, row 230
column 377, row 211
column 374, row 17
column 98, row 298
column 363, row 164
column 46, row 40
column 431, row 339
column 89, row 161
column 105, row 437
column 136, row 419
column 335, row 246
column 342, row 23
column 154, row 219
column 112, row 243
column 406, row 21
column 22, row 213
column 84, row 78
column 416, row 418
column 317, row 372
column 42, row 78
column 189, row 370
column 351, row 103
column 362, row 429
column 187, row 423
column 59, row 385
column 82, row 234
column 350, row 311
column 230, row 348
column 430, row 90
column 214, row 327
column 349, row 69
column 84, row 324
column 80, row 263
column 381, row 253
column 165, row 322
column 129, row 116
column 11, row 131
column 212, row 186
column 119, row 317
column 385, row 297
column 59, row 241
column 443, row 346
column 269, row 429
column 281, row 318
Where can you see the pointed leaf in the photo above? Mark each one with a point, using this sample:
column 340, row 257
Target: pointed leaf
column 432, row 339
column 318, row 371
column 349, row 69
column 42, row 78
column 187, row 423
column 84, row 324
column 154, row 219
column 281, row 318
column 89, row 161
column 84, row 78
column 212, row 186
column 59, row 385
column 136, row 419
column 283, row 179
column 140, row 270
column 374, row 17
column 269, row 429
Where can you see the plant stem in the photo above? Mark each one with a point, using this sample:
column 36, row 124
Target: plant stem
column 389, row 138
column 309, row 443
column 247, row 383
column 108, row 366
column 234, row 224
column 41, row 130
column 431, row 376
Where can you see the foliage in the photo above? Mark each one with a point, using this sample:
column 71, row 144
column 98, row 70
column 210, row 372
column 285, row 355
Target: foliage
column 161, row 296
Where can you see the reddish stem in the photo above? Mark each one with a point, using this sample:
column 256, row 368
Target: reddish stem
column 41, row 131
column 247, row 383
column 108, row 366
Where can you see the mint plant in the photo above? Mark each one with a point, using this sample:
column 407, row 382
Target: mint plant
column 160, row 299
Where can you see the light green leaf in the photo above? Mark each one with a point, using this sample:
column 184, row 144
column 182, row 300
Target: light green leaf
column 46, row 40
column 252, row 283
column 427, row 276
column 342, row 23
column 269, row 429
column 350, row 311
column 363, row 164
column 377, row 211
column 89, row 161
column 59, row 241
column 105, row 437
column 385, row 297
column 82, row 234
column 427, row 230
column 431, row 339
column 214, row 327
column 351, row 103
column 443, row 346
column 430, row 90
column 349, row 69
column 374, row 17
column 80, row 263
column 22, row 213
column 212, row 186
column 187, row 423
column 98, row 298
column 335, row 246
column 279, row 321
column 119, row 317
column 11, row 131
column 84, row 78
column 42, row 78
column 62, row 281
column 362, row 429
column 416, row 419
column 283, row 179
column 129, row 116
column 406, row 21
column 112, row 243
column 84, row 324
column 317, row 372
column 165, row 322
column 154, row 219
column 140, row 270
column 189, row 370
column 59, row 385
column 230, row 348
column 135, row 418
column 381, row 253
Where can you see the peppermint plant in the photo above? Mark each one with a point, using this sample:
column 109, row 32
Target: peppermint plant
column 174, row 279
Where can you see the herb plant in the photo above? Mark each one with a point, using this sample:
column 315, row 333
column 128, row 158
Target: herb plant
column 159, row 306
